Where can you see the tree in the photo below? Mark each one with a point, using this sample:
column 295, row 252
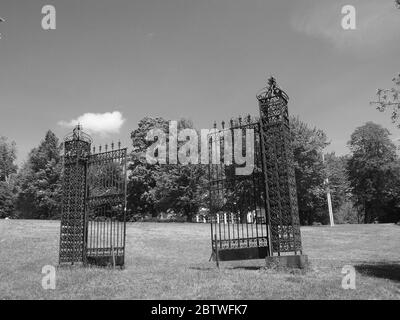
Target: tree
column 157, row 188
column 7, row 198
column 8, row 168
column 39, row 181
column 8, row 155
column 308, row 144
column 160, row 188
column 142, row 178
column 373, row 172
column 389, row 99
column 339, row 187
column 336, row 174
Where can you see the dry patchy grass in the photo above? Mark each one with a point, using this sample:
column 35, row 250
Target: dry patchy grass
column 170, row 261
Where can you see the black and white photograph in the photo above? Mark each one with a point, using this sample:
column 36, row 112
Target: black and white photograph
column 199, row 155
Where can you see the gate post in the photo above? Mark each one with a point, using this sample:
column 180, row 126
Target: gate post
column 72, row 233
column 279, row 178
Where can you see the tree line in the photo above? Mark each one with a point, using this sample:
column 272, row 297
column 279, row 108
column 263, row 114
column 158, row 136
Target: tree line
column 365, row 184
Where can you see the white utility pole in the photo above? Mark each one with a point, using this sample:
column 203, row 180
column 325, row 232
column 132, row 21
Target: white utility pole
column 328, row 196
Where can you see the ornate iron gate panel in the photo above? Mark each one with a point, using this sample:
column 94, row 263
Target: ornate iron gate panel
column 105, row 212
column 239, row 228
column 262, row 211
column 93, row 221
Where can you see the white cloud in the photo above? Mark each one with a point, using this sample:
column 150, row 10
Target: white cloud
column 101, row 123
column 378, row 24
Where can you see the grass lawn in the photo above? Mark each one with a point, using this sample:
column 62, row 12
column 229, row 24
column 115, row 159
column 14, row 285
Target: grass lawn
column 170, row 261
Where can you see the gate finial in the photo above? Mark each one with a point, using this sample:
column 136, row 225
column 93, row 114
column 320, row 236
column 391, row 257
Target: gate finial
column 271, row 91
column 272, row 82
column 78, row 134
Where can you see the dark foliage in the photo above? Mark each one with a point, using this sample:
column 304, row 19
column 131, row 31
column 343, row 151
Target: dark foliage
column 39, row 181
column 374, row 174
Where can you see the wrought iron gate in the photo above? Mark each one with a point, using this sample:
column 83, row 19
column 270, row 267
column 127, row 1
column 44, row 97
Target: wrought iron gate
column 256, row 215
column 239, row 228
column 93, row 222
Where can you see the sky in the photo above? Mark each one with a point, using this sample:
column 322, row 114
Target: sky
column 110, row 63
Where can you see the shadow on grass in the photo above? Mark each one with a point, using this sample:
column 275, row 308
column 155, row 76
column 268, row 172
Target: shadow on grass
column 203, row 268
column 248, row 267
column 387, row 270
column 227, row 267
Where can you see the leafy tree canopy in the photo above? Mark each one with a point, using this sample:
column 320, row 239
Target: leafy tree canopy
column 8, row 168
column 39, row 181
column 373, row 171
column 155, row 188
column 8, row 155
column 308, row 145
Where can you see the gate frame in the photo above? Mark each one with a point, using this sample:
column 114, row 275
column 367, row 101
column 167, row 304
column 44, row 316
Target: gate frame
column 284, row 238
column 257, row 202
column 70, row 212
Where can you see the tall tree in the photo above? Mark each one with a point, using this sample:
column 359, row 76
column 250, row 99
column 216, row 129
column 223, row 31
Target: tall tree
column 8, row 155
column 373, row 171
column 339, row 187
column 142, row 177
column 336, row 173
column 39, row 181
column 7, row 199
column 8, row 168
column 308, row 145
column 159, row 188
